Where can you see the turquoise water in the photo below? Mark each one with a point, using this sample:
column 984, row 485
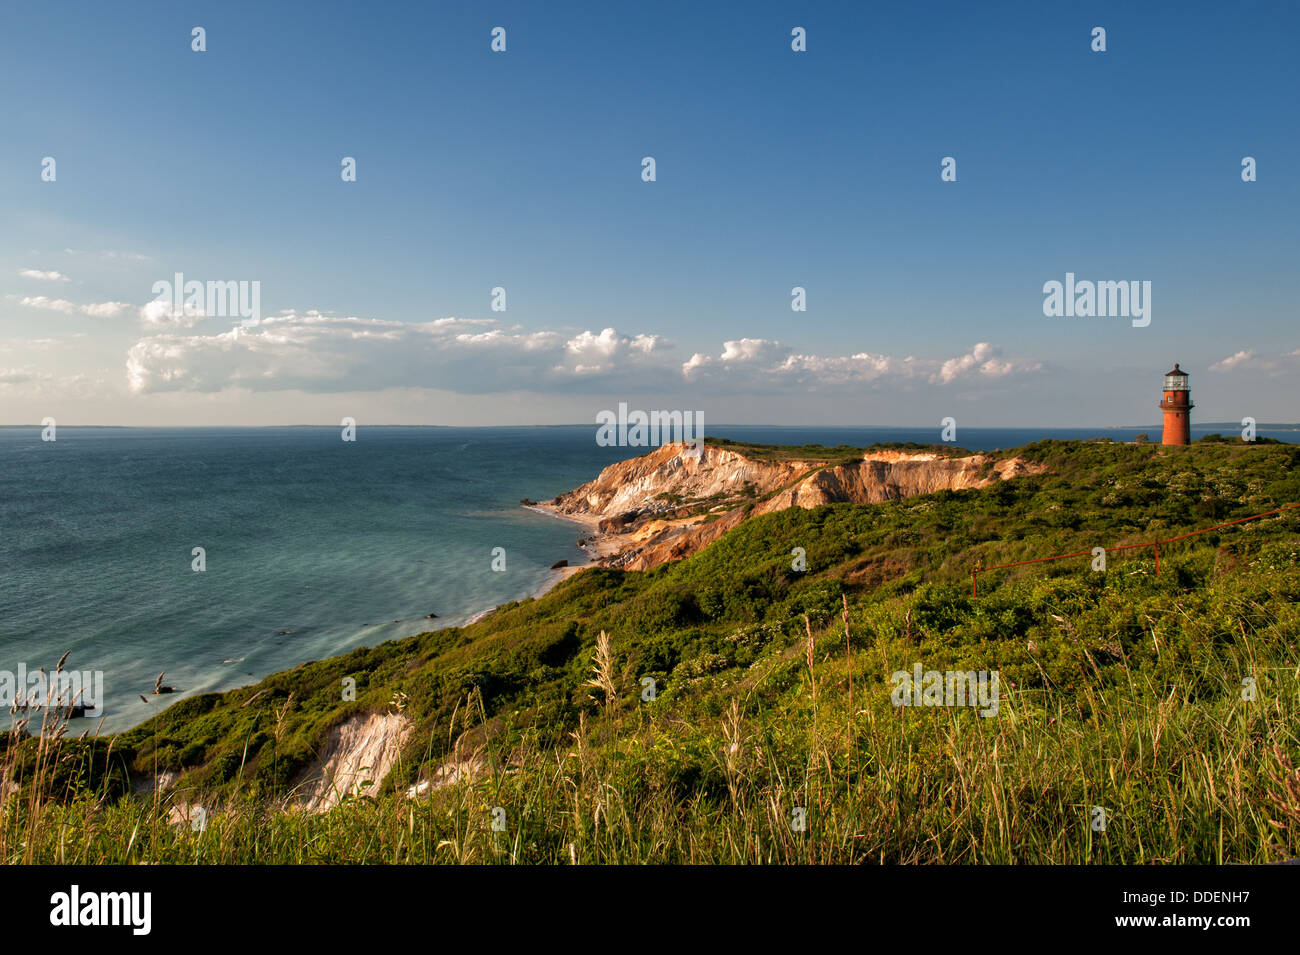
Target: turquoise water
column 313, row 545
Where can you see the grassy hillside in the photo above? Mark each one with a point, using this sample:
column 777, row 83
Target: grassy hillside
column 1120, row 691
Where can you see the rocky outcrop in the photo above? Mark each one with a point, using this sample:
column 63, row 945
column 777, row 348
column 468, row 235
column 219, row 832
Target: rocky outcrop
column 669, row 503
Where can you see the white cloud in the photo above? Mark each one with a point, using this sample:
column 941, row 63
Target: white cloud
column 752, row 349
column 983, row 361
column 43, row 276
column 648, row 344
column 592, row 354
column 53, row 304
column 1248, row 360
column 862, row 367
column 104, row 309
column 159, row 314
column 739, row 357
column 95, row 309
column 1243, row 357
column 696, row 362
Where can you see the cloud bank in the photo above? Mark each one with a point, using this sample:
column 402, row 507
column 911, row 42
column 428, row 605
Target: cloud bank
column 94, row 309
column 319, row 353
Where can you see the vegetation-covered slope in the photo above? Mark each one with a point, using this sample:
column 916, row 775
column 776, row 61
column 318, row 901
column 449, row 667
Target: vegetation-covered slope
column 1168, row 703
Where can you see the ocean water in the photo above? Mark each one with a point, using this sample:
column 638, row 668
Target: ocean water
column 313, row 545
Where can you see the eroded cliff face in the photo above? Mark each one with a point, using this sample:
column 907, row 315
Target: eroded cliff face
column 669, row 504
column 362, row 749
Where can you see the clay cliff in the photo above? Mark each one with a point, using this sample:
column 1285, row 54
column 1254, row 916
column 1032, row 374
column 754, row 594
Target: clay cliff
column 669, row 504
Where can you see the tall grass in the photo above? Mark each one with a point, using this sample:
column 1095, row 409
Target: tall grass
column 1184, row 769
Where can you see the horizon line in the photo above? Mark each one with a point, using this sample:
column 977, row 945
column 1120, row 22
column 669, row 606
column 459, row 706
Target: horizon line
column 1274, row 426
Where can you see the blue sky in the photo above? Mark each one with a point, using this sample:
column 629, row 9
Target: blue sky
column 522, row 170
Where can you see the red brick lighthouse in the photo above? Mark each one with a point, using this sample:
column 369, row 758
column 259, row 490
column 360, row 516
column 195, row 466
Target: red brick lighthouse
column 1177, row 406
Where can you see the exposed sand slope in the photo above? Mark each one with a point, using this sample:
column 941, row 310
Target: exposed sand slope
column 361, row 749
